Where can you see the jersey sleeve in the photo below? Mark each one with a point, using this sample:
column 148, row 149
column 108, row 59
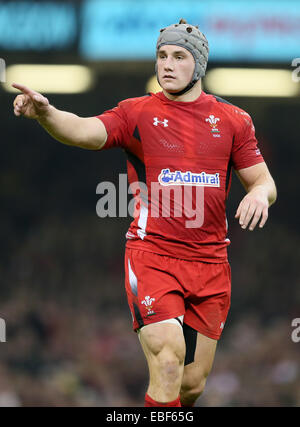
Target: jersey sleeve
column 116, row 125
column 245, row 151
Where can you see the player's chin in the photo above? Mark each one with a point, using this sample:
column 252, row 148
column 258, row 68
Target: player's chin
column 172, row 87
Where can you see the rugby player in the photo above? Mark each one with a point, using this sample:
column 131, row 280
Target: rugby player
column 178, row 278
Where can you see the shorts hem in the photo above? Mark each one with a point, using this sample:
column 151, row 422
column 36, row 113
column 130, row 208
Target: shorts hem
column 157, row 319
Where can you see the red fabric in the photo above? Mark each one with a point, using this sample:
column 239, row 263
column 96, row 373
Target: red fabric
column 160, row 287
column 184, row 151
column 149, row 402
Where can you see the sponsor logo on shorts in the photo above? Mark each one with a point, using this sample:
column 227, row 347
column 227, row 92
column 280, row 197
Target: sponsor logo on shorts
column 202, row 179
column 148, row 301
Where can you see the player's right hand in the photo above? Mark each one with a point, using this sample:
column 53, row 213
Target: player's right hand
column 30, row 104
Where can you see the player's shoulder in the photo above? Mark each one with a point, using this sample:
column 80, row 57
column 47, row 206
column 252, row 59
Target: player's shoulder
column 228, row 108
column 133, row 102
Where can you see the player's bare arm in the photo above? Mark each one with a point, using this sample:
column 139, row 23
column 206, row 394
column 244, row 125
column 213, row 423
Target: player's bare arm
column 65, row 127
column 261, row 194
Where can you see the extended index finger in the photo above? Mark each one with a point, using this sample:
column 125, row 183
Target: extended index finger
column 26, row 90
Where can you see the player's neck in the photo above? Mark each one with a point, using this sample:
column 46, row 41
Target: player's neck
column 189, row 96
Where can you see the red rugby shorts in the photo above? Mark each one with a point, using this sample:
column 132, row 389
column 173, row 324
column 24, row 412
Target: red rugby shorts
column 160, row 287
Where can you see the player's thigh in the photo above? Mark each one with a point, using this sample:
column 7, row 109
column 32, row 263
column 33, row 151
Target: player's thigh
column 196, row 372
column 163, row 343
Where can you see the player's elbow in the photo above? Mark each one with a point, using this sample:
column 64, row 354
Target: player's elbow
column 93, row 144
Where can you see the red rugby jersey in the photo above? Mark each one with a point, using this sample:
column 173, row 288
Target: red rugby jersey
column 179, row 160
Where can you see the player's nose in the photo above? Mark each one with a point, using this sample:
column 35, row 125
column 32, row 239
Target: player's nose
column 169, row 63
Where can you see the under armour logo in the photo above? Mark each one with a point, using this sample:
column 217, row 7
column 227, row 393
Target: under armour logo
column 164, row 122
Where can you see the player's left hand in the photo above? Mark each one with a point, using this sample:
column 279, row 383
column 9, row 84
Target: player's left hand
column 253, row 207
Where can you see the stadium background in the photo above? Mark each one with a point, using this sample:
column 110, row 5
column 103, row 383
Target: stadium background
column 68, row 329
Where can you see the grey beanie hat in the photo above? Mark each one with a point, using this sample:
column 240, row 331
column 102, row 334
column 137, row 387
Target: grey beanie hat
column 191, row 38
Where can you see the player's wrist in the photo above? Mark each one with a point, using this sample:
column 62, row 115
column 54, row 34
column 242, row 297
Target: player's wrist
column 261, row 191
column 45, row 114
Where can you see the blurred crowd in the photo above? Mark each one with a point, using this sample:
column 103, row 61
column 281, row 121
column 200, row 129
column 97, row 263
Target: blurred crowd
column 69, row 338
column 56, row 355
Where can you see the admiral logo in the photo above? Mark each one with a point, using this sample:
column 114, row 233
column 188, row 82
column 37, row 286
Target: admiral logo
column 202, row 179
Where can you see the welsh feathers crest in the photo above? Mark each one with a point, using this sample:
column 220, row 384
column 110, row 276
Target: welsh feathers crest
column 212, row 120
column 148, row 301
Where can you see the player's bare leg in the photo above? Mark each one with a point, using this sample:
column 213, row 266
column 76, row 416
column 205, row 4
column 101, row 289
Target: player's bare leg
column 196, row 373
column 164, row 347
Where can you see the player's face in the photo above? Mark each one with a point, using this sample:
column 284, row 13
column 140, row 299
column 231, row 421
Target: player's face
column 175, row 67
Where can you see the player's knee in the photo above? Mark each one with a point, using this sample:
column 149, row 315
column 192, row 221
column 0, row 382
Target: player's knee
column 193, row 385
column 191, row 391
column 168, row 369
column 170, row 358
